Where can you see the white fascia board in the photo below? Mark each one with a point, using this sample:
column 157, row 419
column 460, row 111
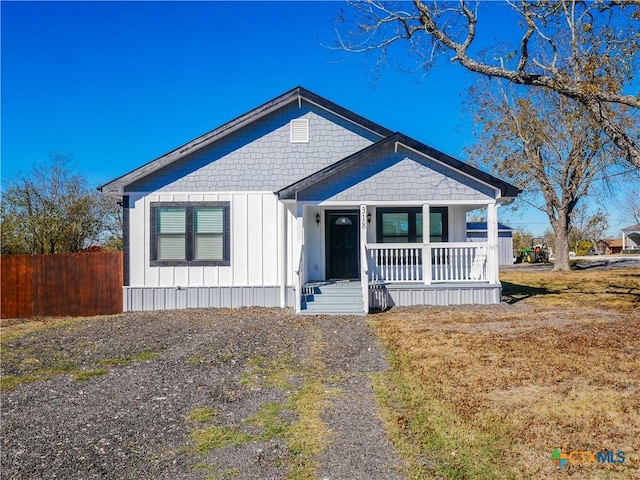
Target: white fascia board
column 382, row 203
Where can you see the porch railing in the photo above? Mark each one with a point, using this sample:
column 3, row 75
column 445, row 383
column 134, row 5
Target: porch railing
column 394, row 262
column 448, row 262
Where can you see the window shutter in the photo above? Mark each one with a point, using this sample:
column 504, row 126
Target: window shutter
column 300, row 130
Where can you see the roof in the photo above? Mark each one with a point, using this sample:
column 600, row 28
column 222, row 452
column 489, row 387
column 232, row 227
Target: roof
column 482, row 227
column 632, row 229
column 298, row 94
column 611, row 242
column 295, row 95
column 507, row 190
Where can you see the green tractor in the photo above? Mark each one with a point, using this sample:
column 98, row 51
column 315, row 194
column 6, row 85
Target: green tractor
column 538, row 252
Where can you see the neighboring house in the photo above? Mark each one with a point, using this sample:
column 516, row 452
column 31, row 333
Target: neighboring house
column 609, row 246
column 478, row 232
column 305, row 204
column 631, row 238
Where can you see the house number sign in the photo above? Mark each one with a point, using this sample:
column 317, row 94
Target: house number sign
column 363, row 217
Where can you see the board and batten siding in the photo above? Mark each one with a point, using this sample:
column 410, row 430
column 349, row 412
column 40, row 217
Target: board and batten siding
column 255, row 239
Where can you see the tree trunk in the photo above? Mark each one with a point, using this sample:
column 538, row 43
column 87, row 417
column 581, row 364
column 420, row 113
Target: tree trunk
column 561, row 228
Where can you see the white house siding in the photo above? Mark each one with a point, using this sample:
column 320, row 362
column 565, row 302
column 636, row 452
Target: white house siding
column 255, row 256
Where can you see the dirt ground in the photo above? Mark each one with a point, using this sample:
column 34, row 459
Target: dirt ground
column 195, row 394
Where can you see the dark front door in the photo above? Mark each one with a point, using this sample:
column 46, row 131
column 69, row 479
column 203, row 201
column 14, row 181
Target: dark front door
column 343, row 244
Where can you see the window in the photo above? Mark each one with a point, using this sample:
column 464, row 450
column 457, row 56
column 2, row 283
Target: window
column 187, row 233
column 438, row 224
column 404, row 225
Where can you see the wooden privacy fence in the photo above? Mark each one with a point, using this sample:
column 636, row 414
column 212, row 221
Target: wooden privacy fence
column 74, row 284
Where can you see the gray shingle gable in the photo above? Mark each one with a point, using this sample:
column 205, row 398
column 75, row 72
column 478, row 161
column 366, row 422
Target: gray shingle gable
column 454, row 167
column 261, row 156
column 402, row 175
column 297, row 96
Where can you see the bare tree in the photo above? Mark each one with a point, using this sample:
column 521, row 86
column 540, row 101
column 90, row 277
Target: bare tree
column 545, row 144
column 583, row 50
column 630, row 208
column 52, row 210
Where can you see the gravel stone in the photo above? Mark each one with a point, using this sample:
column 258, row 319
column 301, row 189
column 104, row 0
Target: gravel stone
column 131, row 423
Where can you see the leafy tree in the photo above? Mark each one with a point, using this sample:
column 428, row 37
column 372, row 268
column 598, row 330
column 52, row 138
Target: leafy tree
column 545, row 144
column 521, row 239
column 589, row 228
column 586, row 51
column 53, row 210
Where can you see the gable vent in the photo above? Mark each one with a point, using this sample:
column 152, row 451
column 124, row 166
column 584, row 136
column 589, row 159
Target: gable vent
column 300, row 130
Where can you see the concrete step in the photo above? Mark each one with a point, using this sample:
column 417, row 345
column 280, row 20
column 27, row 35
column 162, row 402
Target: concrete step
column 337, row 290
column 338, row 299
column 332, row 310
column 333, row 299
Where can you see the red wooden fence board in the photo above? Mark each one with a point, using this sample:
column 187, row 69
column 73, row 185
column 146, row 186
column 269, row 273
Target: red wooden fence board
column 73, row 284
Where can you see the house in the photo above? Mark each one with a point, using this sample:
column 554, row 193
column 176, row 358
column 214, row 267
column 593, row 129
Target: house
column 609, row 246
column 477, row 232
column 302, row 203
column 631, row 239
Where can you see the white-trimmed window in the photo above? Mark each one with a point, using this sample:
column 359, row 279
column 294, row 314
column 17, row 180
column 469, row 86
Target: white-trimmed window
column 299, row 128
column 190, row 233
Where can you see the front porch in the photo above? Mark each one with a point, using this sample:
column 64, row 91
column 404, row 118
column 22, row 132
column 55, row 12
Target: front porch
column 393, row 217
column 387, row 273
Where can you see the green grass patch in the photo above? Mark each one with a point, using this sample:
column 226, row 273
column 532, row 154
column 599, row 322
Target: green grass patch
column 144, row 355
column 270, row 419
column 308, row 437
column 214, row 437
column 18, row 330
column 116, row 362
column 270, row 373
column 202, row 415
column 84, row 375
column 11, row 382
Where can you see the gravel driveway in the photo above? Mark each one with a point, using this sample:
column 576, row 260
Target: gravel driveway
column 127, row 405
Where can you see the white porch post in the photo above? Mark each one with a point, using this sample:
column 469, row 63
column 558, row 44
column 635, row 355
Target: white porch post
column 623, row 246
column 282, row 219
column 298, row 246
column 364, row 267
column 426, row 244
column 492, row 239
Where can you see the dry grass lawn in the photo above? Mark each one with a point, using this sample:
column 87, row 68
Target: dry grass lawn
column 490, row 392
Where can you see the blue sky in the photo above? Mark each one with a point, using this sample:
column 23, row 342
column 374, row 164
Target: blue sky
column 117, row 84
